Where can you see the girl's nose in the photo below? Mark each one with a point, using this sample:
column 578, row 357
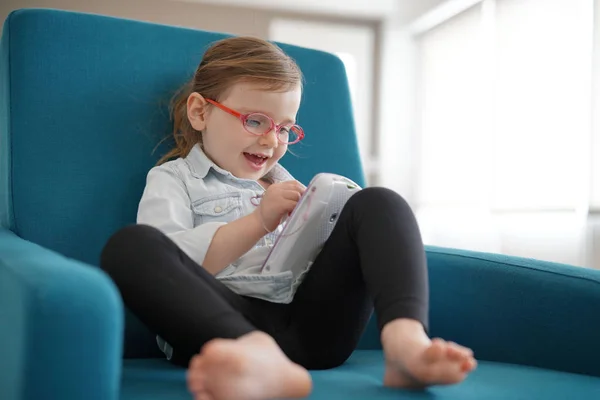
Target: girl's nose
column 270, row 138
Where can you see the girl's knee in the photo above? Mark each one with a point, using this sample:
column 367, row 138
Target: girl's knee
column 379, row 198
column 136, row 233
column 129, row 240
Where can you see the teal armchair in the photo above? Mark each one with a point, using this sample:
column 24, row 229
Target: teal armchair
column 83, row 105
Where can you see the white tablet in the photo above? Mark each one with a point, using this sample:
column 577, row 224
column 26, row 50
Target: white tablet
column 310, row 224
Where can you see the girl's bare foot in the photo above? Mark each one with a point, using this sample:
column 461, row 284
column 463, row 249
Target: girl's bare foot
column 252, row 367
column 415, row 361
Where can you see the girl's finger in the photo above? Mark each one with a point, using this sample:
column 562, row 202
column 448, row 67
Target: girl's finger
column 290, row 205
column 291, row 195
column 294, row 185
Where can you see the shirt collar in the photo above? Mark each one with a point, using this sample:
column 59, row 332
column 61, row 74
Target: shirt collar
column 200, row 165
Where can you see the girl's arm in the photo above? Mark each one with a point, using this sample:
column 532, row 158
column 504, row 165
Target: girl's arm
column 233, row 240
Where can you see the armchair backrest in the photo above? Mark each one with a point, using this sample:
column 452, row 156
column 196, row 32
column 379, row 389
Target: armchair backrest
column 83, row 106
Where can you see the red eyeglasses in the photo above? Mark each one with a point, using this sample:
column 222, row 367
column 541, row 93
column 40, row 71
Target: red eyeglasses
column 259, row 124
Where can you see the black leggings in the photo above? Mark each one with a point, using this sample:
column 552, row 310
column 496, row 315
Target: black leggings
column 374, row 257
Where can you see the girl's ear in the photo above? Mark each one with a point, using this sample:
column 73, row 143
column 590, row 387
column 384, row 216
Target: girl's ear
column 196, row 111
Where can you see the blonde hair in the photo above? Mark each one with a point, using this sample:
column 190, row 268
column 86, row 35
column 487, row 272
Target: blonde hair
column 225, row 63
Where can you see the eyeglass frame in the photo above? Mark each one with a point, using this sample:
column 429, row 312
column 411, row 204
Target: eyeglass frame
column 244, row 117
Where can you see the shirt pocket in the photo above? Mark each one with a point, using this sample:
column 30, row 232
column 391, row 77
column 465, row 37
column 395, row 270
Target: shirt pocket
column 223, row 207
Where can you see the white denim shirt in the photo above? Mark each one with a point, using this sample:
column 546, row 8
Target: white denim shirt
column 189, row 198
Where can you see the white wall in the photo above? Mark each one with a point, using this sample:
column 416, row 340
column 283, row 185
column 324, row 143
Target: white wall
column 410, row 10
column 194, row 15
column 372, row 9
column 236, row 16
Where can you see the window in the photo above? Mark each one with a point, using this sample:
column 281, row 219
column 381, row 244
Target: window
column 543, row 110
column 505, row 100
column 509, row 128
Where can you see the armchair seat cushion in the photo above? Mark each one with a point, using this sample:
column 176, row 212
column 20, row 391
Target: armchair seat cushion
column 361, row 378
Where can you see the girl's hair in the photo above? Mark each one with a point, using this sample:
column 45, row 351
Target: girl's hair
column 225, row 63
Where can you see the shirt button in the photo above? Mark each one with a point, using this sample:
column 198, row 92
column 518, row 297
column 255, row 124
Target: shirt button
column 218, row 209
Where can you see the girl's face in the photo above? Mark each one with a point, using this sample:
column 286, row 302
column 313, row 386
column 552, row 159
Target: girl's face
column 228, row 144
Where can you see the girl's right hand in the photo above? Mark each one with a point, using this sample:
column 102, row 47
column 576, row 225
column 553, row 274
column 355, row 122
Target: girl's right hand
column 279, row 200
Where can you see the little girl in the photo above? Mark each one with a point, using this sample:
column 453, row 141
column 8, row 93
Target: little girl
column 190, row 268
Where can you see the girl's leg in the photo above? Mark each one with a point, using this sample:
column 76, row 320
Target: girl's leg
column 176, row 298
column 374, row 256
column 194, row 312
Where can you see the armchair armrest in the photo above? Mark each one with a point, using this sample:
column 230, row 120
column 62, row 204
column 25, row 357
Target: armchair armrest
column 61, row 326
column 517, row 310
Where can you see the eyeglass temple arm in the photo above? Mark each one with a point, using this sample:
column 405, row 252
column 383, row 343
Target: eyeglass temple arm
column 225, row 108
